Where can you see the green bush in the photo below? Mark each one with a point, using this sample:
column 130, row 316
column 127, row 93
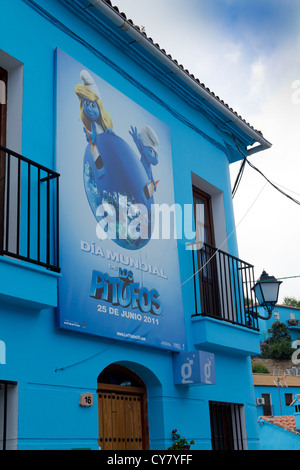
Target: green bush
column 279, row 351
column 259, row 368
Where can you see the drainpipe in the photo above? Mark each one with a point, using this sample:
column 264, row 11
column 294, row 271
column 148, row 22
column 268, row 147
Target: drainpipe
column 140, row 38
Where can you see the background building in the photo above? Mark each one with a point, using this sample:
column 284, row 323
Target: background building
column 278, row 391
column 290, row 316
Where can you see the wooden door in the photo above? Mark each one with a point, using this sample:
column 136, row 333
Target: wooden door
column 123, row 420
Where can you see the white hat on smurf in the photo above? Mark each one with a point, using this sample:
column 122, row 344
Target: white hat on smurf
column 89, row 82
column 148, row 137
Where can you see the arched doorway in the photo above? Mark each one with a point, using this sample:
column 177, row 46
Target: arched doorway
column 122, row 407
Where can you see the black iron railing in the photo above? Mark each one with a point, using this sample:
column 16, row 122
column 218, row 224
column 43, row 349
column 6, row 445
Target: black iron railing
column 222, row 286
column 29, row 210
column 227, row 423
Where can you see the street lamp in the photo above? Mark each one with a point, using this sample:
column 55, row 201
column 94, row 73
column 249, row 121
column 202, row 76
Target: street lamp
column 266, row 291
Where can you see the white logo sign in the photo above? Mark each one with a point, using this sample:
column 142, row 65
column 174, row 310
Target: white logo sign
column 207, row 371
column 187, row 371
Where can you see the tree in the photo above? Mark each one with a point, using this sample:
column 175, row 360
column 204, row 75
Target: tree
column 279, row 332
column 291, row 302
column 278, row 345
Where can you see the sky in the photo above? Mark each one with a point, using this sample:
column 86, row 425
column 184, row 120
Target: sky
column 248, row 53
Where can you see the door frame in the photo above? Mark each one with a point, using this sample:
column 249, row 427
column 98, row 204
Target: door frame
column 208, row 284
column 3, row 129
column 139, row 388
column 208, row 213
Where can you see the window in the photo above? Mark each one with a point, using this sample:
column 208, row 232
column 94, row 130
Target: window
column 292, row 316
column 8, row 415
column 288, row 398
column 276, row 314
column 228, row 430
column 267, row 407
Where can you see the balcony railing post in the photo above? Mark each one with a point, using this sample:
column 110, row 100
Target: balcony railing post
column 48, row 220
column 39, row 215
column 18, row 207
column 195, row 288
column 57, row 221
column 28, row 209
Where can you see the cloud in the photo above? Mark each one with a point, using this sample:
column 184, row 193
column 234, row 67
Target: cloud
column 257, row 78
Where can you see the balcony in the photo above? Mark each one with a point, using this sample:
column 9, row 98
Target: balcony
column 224, row 315
column 29, row 229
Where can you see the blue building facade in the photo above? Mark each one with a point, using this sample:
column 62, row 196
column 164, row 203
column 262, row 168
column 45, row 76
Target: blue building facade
column 113, row 342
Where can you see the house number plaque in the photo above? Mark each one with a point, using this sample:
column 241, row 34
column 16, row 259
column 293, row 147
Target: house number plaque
column 86, row 399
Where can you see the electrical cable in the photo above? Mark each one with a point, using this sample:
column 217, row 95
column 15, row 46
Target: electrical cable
column 84, row 360
column 234, row 230
column 239, row 177
column 241, row 171
column 283, row 187
column 272, row 184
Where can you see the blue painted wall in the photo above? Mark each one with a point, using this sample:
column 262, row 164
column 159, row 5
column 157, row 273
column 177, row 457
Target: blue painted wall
column 53, row 367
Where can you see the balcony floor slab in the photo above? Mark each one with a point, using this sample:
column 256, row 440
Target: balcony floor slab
column 216, row 335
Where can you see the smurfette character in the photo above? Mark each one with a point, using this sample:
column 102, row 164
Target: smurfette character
column 92, row 113
column 147, row 141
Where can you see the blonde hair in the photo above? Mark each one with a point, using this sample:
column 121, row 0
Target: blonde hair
column 105, row 120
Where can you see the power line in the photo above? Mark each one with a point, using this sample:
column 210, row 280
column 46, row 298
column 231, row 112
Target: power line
column 239, row 177
column 290, row 190
column 234, row 230
column 289, row 277
column 241, row 171
column 272, row 184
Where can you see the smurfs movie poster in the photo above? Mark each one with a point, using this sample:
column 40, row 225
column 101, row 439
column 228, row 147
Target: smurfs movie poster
column 119, row 276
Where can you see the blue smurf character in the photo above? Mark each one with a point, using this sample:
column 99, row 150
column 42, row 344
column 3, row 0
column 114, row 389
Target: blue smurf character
column 147, row 142
column 94, row 117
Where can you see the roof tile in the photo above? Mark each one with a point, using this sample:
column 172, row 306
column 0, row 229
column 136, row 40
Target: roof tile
column 285, row 422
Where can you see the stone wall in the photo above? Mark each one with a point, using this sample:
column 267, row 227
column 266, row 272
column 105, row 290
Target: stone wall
column 277, row 366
